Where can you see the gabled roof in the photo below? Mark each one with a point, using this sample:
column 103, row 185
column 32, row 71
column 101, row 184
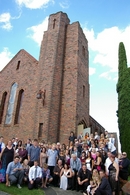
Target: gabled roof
column 26, row 53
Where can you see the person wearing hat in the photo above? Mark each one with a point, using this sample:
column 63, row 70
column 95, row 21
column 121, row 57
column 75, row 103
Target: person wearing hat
column 124, row 166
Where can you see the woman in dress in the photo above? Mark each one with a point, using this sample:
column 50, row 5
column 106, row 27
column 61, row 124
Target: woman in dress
column 102, row 137
column 85, row 149
column 96, row 180
column 96, row 177
column 65, row 175
column 89, row 161
column 93, row 146
column 43, row 156
column 83, row 157
column 19, row 144
column 71, row 147
column 113, row 176
column 94, row 154
column 96, row 143
column 7, row 154
column 97, row 162
column 67, row 157
column 61, row 156
column 26, row 170
column 63, row 147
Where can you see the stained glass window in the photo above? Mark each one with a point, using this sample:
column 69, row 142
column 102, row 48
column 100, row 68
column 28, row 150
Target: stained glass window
column 11, row 104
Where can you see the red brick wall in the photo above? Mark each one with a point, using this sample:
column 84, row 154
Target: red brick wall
column 74, row 107
column 83, row 80
column 51, row 73
column 26, row 77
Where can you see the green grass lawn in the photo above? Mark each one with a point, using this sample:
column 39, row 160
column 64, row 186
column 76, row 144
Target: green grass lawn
column 13, row 190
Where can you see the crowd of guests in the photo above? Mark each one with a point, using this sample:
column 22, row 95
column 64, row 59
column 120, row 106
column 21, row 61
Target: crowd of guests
column 91, row 164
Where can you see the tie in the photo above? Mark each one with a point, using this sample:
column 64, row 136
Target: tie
column 35, row 176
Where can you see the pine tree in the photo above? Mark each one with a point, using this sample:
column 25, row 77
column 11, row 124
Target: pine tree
column 123, row 90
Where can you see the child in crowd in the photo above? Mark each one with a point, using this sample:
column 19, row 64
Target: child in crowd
column 90, row 188
column 46, row 177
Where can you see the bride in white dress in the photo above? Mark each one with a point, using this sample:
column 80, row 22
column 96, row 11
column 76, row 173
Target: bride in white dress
column 65, row 173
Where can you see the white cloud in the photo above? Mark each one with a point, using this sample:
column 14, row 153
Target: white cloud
column 5, row 57
column 65, row 4
column 92, row 71
column 5, row 21
column 105, row 46
column 109, row 75
column 38, row 31
column 106, row 75
column 34, row 4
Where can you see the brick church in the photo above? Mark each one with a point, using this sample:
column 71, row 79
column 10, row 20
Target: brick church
column 47, row 99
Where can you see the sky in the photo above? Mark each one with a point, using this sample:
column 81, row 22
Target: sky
column 105, row 24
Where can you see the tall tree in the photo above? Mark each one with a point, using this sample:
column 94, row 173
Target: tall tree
column 123, row 90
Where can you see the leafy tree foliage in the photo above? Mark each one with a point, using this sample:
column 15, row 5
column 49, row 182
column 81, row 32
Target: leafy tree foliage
column 123, row 90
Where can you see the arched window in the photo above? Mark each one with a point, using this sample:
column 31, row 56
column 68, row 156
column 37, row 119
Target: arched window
column 19, row 104
column 83, row 51
column 11, row 104
column 2, row 106
column 54, row 23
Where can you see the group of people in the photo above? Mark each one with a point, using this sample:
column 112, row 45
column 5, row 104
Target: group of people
column 91, row 165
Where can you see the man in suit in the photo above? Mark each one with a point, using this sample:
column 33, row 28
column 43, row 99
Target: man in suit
column 104, row 187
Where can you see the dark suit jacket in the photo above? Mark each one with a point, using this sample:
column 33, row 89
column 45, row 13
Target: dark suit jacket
column 105, row 186
column 125, row 164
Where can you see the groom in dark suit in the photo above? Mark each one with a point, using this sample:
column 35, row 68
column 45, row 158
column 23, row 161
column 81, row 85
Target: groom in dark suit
column 104, row 187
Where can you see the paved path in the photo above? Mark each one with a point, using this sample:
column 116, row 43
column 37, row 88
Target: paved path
column 3, row 193
column 58, row 191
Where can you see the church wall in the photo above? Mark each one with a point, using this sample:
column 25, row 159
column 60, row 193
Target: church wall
column 83, row 80
column 69, row 90
column 75, row 76
column 26, row 78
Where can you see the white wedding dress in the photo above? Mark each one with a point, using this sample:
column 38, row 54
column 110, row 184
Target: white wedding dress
column 64, row 180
